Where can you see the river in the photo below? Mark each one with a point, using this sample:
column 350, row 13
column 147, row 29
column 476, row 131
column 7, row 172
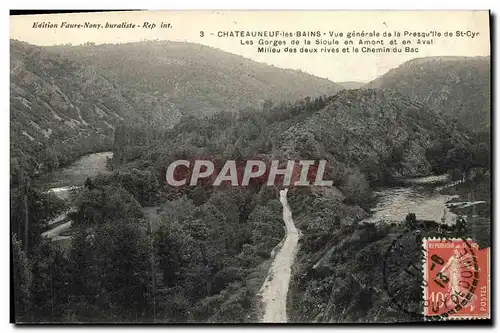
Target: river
column 60, row 182
column 421, row 196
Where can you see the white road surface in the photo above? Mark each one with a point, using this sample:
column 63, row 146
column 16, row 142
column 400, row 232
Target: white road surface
column 57, row 230
column 275, row 288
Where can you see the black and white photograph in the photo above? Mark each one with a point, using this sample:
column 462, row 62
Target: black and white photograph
column 251, row 167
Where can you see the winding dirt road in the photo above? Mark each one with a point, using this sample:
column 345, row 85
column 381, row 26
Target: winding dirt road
column 275, row 288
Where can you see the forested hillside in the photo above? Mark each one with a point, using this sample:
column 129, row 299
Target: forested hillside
column 384, row 133
column 61, row 109
column 67, row 101
column 198, row 79
column 351, row 84
column 457, row 87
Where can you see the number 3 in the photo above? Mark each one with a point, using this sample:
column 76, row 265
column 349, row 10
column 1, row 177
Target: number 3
column 202, row 34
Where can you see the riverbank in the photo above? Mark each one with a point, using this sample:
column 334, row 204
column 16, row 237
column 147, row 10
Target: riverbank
column 65, row 181
column 432, row 198
column 421, row 196
column 478, row 215
column 395, row 204
column 338, row 275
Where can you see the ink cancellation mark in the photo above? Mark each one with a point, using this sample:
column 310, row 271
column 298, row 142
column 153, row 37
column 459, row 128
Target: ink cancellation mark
column 402, row 270
column 432, row 278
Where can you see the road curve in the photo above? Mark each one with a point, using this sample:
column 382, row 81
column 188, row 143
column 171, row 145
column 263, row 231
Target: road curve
column 275, row 288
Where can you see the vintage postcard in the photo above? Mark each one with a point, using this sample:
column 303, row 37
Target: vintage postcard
column 251, row 167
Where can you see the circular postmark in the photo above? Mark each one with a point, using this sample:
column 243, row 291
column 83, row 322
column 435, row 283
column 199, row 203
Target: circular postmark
column 429, row 276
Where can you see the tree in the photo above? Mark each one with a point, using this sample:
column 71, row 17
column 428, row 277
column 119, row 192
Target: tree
column 461, row 158
column 356, row 189
column 50, row 286
column 122, row 259
column 171, row 246
column 436, row 155
column 83, row 277
column 397, row 156
column 267, row 227
column 460, row 226
column 88, row 183
column 105, row 204
column 481, row 155
column 143, row 185
column 411, row 220
column 51, row 160
column 30, row 211
column 22, row 280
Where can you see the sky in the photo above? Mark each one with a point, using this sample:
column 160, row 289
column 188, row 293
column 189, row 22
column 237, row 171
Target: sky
column 204, row 27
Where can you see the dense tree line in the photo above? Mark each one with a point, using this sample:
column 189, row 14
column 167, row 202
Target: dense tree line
column 201, row 262
column 118, row 268
column 36, row 160
column 462, row 157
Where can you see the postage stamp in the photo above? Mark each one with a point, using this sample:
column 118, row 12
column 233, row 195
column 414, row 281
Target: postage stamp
column 456, row 280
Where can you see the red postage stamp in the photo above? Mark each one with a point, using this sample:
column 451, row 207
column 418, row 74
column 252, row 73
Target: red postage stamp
column 456, row 280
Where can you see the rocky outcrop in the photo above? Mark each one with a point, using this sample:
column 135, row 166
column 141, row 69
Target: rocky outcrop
column 67, row 101
column 379, row 131
column 58, row 104
column 457, row 87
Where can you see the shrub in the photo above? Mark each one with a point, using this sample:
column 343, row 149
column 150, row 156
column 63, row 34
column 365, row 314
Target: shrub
column 356, row 189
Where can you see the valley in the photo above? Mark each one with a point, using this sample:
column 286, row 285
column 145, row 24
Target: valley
column 101, row 235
